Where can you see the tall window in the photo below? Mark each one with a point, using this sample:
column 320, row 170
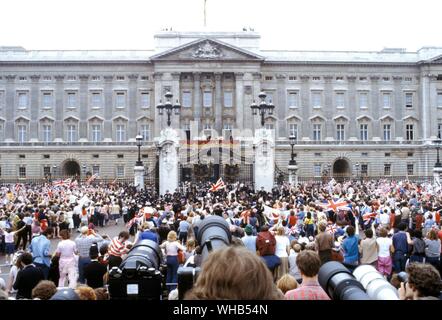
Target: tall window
column 408, row 99
column 316, row 99
column 387, row 169
column 22, row 100
column 269, row 126
column 317, row 169
column 207, row 99
column 363, row 130
column 2, row 99
column 410, row 169
column 22, row 133
column 292, row 99
column 293, row 130
column 187, row 99
column 47, row 100
column 409, row 132
column 120, row 101
column 386, row 100
column 340, row 132
column 72, row 99
column 316, row 132
column 2, row 132
column 228, row 99
column 145, row 132
column 71, row 133
column 96, row 133
column 269, row 97
column 439, row 99
column 120, row 171
column 47, row 133
column 363, row 100
column 439, row 130
column 387, row 132
column 121, row 132
column 96, row 169
column 364, row 169
column 145, row 100
column 340, row 100
column 96, row 100
column 22, row 172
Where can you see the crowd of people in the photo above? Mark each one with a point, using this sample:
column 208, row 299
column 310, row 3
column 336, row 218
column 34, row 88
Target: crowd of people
column 282, row 236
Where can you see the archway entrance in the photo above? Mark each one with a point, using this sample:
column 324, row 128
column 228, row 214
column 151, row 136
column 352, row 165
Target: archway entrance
column 341, row 169
column 71, row 168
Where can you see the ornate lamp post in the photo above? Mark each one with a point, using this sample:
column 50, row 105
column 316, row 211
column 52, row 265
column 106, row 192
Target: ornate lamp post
column 293, row 168
column 139, row 139
column 169, row 107
column 139, row 168
column 263, row 107
column 357, row 165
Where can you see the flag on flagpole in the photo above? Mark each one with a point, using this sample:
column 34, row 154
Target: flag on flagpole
column 218, row 185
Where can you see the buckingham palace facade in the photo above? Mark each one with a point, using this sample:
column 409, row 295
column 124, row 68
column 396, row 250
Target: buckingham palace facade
column 357, row 113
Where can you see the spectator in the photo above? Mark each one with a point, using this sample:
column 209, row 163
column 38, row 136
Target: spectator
column 308, row 263
column 44, row 290
column 84, row 243
column 287, row 283
column 85, row 293
column 401, row 240
column 67, row 251
column 249, row 239
column 118, row 247
column 94, row 272
column 368, row 248
column 385, row 248
column 226, row 275
column 350, row 247
column 324, row 243
column 171, row 247
column 282, row 251
column 40, row 249
column 27, row 278
column 424, row 283
column 418, row 250
column 432, row 249
column 102, row 294
column 146, row 233
column 294, row 251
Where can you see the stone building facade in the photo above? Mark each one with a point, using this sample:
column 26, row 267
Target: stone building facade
column 353, row 113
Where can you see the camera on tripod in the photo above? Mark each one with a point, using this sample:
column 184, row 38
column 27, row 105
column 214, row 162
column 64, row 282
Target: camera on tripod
column 140, row 275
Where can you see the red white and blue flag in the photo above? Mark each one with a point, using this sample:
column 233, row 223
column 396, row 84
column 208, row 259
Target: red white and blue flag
column 92, row 178
column 218, row 185
column 62, row 183
column 332, row 228
column 335, row 205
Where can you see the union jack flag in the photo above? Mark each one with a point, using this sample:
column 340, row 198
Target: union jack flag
column 335, row 205
column 135, row 219
column 62, row 183
column 92, row 178
column 331, row 228
column 218, row 185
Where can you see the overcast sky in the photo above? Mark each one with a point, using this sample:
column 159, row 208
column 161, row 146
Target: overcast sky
column 283, row 24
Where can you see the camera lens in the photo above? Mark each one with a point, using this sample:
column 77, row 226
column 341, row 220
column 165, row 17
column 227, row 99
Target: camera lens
column 375, row 284
column 216, row 230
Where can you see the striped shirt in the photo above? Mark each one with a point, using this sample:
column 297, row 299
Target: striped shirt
column 310, row 290
column 117, row 248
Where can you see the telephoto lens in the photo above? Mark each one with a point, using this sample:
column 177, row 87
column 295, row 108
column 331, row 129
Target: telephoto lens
column 375, row 284
column 213, row 233
column 339, row 283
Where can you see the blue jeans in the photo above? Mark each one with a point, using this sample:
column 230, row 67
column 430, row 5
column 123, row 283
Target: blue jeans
column 43, row 268
column 434, row 261
column 82, row 262
column 415, row 258
column 399, row 261
column 172, row 271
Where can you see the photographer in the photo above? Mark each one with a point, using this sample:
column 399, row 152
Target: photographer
column 423, row 283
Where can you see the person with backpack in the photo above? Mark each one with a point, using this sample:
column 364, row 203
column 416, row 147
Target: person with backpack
column 266, row 247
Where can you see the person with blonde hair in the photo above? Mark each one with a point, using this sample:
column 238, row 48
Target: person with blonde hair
column 282, row 251
column 432, row 249
column 234, row 273
column 286, row 283
column 171, row 247
column 67, row 251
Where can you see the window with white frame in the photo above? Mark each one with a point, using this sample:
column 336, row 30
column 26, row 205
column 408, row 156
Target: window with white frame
column 340, row 132
column 96, row 99
column 269, row 126
column 410, row 169
column 71, row 99
column 120, row 132
column 96, row 132
column 144, row 99
column 2, row 131
column 317, row 169
column 120, row 171
column 227, row 129
column 46, row 171
column 387, row 131
column 186, row 99
column 145, row 132
column 96, row 169
column 316, row 99
column 439, row 99
column 409, row 132
column 293, row 130
column 387, row 169
column 316, row 132
column 269, row 97
column 71, row 133
column 364, row 169
column 120, row 99
column 386, row 100
column 363, row 131
column 2, row 99
column 439, row 130
column 292, row 99
column 207, row 99
column 363, row 100
column 228, row 99
column 22, row 131
column 340, row 99
column 47, row 100
column 23, row 100
column 22, row 172
column 409, row 99
column 47, row 133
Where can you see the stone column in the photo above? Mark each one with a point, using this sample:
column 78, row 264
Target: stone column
column 218, row 103
column 168, row 143
column 84, row 105
column 329, row 108
column 132, row 107
column 175, row 119
column 437, row 171
column 293, row 174
column 351, row 107
column 139, row 177
column 239, row 105
column 34, row 108
column 197, row 105
column 264, row 169
column 108, row 108
column 158, row 78
column 59, row 107
column 11, row 101
column 306, row 109
column 281, row 108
